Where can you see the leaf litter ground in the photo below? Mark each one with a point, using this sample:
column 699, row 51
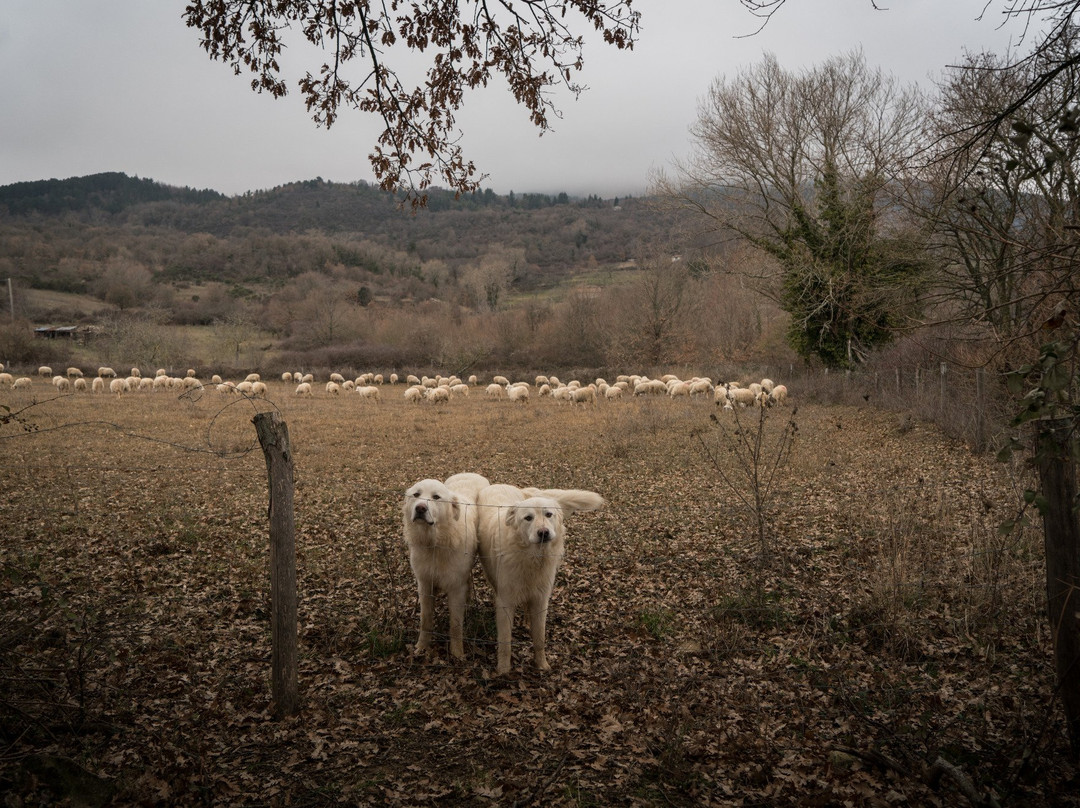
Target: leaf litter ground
column 891, row 626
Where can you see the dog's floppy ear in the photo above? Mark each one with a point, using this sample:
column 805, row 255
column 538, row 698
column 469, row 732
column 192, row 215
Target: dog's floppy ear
column 455, row 503
column 509, row 516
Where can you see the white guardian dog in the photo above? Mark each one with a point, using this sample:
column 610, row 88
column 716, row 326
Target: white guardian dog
column 521, row 534
column 440, row 520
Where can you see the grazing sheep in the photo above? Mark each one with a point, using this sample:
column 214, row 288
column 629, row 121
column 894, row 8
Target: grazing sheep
column 500, row 380
column 411, row 380
column 304, row 389
column 215, row 379
column 495, row 391
column 377, row 378
column 393, row 378
column 286, row 377
column 106, row 373
column 44, row 371
column 368, row 392
column 473, row 380
column 541, row 381
column 191, row 372
column 146, row 383
column 159, row 383
column 308, row 378
column 742, row 396
column 459, row 390
column 767, row 385
column 161, row 372
column 437, row 394
column 650, row 387
column 518, row 392
column 97, row 385
column 245, row 387
column 545, row 390
column 61, row 384
column 702, row 387
column 613, row 392
column 118, row 386
column 414, row 393
column 583, row 395
column 349, row 385
column 778, row 395
column 22, row 383
column 74, row 373
column 6, row 378
column 80, row 385
column 333, row 388
column 136, row 373
column 679, row 389
column 297, row 377
column 554, row 382
column 337, row 377
column 191, row 383
column 259, row 389
column 754, row 388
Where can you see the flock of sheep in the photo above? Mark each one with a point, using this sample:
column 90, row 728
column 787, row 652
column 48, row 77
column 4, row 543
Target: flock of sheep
column 728, row 395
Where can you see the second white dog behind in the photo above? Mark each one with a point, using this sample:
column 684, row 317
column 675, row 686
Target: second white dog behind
column 521, row 543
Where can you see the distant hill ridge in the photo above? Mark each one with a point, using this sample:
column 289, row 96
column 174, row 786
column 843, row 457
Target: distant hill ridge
column 112, row 192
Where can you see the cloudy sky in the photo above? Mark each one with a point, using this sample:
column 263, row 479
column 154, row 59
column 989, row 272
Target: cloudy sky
column 122, row 85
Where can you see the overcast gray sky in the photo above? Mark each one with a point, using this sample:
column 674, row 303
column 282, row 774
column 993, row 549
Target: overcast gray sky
column 122, row 85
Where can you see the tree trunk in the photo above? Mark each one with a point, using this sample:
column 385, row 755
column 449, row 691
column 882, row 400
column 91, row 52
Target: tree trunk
column 1056, row 460
column 274, row 439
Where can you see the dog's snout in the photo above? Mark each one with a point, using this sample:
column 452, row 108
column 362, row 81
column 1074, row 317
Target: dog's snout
column 421, row 507
column 543, row 535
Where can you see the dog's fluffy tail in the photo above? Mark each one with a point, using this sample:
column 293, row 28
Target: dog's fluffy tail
column 570, row 500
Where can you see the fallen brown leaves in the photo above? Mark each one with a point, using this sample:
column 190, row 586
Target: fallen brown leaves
column 894, row 627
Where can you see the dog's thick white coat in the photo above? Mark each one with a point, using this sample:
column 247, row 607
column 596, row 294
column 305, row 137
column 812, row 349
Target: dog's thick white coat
column 521, row 543
column 440, row 520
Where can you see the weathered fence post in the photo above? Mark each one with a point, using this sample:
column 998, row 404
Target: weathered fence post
column 274, row 439
column 1056, row 460
column 941, row 390
column 980, row 409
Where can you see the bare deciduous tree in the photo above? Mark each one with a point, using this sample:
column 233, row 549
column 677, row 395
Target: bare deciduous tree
column 532, row 44
column 808, row 167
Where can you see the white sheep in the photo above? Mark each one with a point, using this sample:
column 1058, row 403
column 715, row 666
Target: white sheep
column 541, row 381
column 286, row 377
column 215, row 379
column 192, row 383
column 226, row 389
column 767, row 385
column 22, row 383
column 583, row 395
column 297, row 377
column 304, row 389
column 701, row 387
column 106, row 373
column 146, row 383
column 459, row 389
column 97, row 385
column 118, row 386
column 438, row 393
column 333, row 388
column 393, row 378
column 191, row 372
column 161, row 372
column 61, row 384
column 377, row 378
column 245, row 387
column 494, row 390
column 613, row 392
column 80, row 385
column 6, row 378
column 259, row 389
column 679, row 388
column 369, row 392
column 74, row 373
column 411, row 380
column 337, row 378
column 136, row 373
column 545, row 390
column 742, row 396
column 778, row 395
column 473, row 380
column 349, row 385
column 308, row 378
column 518, row 392
column 44, row 371
column 500, row 380
column 414, row 393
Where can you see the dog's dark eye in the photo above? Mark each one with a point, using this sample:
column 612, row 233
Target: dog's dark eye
column 416, row 493
column 549, row 514
column 434, row 496
column 529, row 518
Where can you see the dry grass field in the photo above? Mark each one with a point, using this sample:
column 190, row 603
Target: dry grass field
column 889, row 649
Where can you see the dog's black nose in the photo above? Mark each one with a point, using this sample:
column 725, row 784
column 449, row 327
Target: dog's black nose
column 543, row 535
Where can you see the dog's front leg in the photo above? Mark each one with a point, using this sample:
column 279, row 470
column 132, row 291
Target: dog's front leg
column 538, row 628
column 426, row 590
column 504, row 624
column 456, row 602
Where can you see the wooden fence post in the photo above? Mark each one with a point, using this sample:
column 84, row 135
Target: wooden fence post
column 274, row 439
column 1056, row 460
